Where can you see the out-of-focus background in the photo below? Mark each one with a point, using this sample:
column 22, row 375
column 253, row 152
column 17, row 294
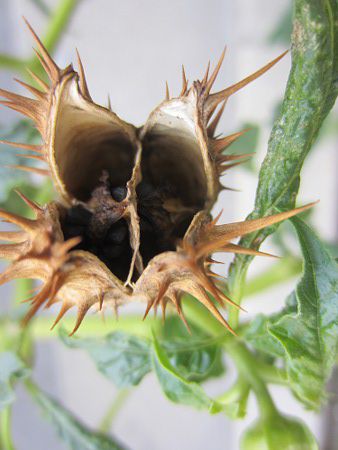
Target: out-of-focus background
column 129, row 49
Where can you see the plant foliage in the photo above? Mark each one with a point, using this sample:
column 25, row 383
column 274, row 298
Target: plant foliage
column 296, row 347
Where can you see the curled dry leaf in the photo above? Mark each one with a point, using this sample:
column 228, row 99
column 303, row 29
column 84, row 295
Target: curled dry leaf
column 132, row 221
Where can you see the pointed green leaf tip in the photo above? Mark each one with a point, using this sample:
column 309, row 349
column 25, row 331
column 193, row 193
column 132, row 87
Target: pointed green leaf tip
column 310, row 335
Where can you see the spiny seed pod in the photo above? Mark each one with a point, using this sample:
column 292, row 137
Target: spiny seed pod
column 133, row 220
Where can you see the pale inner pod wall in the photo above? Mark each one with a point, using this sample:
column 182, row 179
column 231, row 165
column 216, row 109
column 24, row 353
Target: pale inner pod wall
column 129, row 50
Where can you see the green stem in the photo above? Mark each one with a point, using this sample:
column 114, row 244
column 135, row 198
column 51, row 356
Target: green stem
column 94, row 326
column 246, row 366
column 59, row 21
column 23, row 289
column 246, row 363
column 237, row 290
column 200, row 316
column 285, row 269
column 234, row 393
column 12, row 63
column 113, row 410
column 31, row 387
column 5, row 427
column 271, row 374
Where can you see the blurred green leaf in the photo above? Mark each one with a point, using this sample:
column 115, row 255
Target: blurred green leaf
column 125, row 358
column 283, row 270
column 43, row 7
column 121, row 357
column 42, row 194
column 14, row 338
column 247, row 143
column 333, row 249
column 282, row 32
column 9, row 62
column 10, row 332
column 176, row 387
column 21, row 131
column 310, row 336
column 11, row 368
column 73, row 433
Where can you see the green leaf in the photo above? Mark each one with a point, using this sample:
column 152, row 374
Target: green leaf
column 258, row 335
column 121, row 357
column 305, row 104
column 73, row 433
column 281, row 33
column 11, row 368
column 43, row 7
column 196, row 356
column 247, row 144
column 177, row 388
column 9, row 62
column 308, row 98
column 197, row 359
column 42, row 194
column 310, row 336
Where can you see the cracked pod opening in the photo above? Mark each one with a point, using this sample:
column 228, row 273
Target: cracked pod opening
column 93, row 156
column 172, row 162
column 110, row 242
column 165, row 186
column 88, row 140
column 172, row 156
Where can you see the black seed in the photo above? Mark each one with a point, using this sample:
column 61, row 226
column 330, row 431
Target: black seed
column 147, row 222
column 145, row 190
column 74, row 231
column 78, row 215
column 103, row 233
column 92, row 248
column 117, row 233
column 113, row 251
column 119, row 193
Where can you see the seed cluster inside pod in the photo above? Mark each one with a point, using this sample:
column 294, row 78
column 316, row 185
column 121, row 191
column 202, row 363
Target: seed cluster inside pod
column 103, row 230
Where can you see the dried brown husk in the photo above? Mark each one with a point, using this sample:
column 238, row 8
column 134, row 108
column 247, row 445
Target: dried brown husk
column 89, row 151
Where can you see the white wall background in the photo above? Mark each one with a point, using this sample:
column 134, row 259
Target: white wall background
column 129, row 49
